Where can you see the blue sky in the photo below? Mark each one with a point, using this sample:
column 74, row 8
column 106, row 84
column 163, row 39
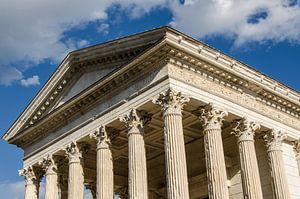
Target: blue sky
column 36, row 35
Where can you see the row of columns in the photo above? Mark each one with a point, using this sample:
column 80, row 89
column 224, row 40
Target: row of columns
column 172, row 104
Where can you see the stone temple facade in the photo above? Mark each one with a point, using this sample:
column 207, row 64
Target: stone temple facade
column 160, row 115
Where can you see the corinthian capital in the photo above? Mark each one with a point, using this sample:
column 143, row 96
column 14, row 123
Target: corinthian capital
column 136, row 120
column 171, row 101
column 244, row 129
column 103, row 141
column 212, row 117
column 31, row 177
column 273, row 140
column 73, row 152
column 48, row 164
column 297, row 149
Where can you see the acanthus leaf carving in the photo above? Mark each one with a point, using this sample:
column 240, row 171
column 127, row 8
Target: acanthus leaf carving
column 136, row 120
column 273, row 139
column 49, row 165
column 171, row 101
column 100, row 135
column 244, row 129
column 73, row 152
column 212, row 117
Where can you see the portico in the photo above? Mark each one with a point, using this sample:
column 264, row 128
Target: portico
column 163, row 116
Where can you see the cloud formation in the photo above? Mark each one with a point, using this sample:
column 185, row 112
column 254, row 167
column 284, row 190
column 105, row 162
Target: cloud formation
column 33, row 30
column 243, row 21
column 31, row 81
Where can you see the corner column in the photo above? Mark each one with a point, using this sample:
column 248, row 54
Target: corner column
column 172, row 103
column 76, row 175
column 212, row 119
column 273, row 140
column 245, row 130
column 137, row 165
column 105, row 174
column 50, row 168
column 32, row 183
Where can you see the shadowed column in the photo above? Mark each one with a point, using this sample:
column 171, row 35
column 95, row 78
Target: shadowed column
column 137, row 165
column 76, row 175
column 214, row 154
column 245, row 130
column 105, row 174
column 50, row 168
column 273, row 140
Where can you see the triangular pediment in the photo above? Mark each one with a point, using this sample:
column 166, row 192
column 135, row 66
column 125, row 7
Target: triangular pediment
column 80, row 70
column 83, row 82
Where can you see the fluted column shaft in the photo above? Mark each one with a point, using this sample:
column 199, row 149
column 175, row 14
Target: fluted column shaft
column 76, row 175
column 273, row 141
column 32, row 183
column 175, row 158
column 51, row 187
column 137, row 164
column 214, row 153
column 105, row 174
column 245, row 131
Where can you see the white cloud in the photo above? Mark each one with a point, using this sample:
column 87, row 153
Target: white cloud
column 33, row 30
column 12, row 190
column 103, row 28
column 242, row 21
column 31, row 81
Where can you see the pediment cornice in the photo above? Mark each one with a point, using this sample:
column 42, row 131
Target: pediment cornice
column 176, row 48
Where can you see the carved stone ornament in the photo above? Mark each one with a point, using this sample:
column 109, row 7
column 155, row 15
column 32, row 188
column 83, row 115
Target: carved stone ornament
column 31, row 177
column 136, row 120
column 73, row 152
column 49, row 165
column 273, row 140
column 171, row 101
column 244, row 129
column 297, row 149
column 212, row 117
column 103, row 141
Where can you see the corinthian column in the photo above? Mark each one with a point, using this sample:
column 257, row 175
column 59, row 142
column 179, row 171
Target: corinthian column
column 245, row 130
column 32, row 182
column 76, row 176
column 50, row 168
column 273, row 140
column 105, row 174
column 172, row 103
column 215, row 161
column 137, row 167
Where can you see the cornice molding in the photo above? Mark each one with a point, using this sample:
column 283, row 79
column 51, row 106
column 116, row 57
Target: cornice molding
column 176, row 48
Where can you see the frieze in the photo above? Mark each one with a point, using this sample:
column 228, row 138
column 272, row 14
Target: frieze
column 216, row 87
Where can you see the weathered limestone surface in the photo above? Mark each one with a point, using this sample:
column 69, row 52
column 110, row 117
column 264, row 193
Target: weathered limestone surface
column 76, row 176
column 137, row 165
column 273, row 141
column 105, row 174
column 32, row 183
column 214, row 153
column 297, row 150
column 177, row 180
column 245, row 130
column 50, row 168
